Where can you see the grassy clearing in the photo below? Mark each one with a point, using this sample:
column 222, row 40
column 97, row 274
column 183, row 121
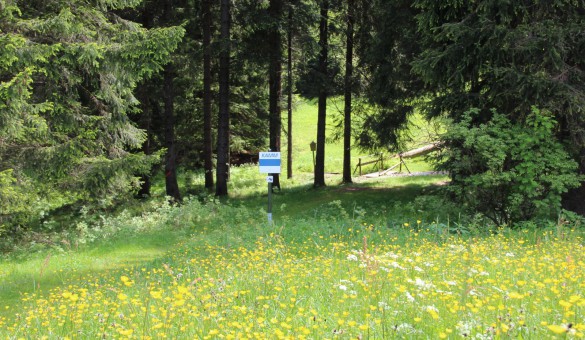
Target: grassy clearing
column 327, row 278
column 43, row 271
column 163, row 227
column 375, row 259
column 305, row 131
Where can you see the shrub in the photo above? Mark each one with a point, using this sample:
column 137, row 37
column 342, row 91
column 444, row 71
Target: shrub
column 509, row 172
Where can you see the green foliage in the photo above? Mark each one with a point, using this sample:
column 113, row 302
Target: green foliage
column 13, row 198
column 387, row 41
column 508, row 56
column 311, row 81
column 68, row 70
column 510, row 172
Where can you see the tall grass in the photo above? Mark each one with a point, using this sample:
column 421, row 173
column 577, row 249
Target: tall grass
column 211, row 268
column 331, row 271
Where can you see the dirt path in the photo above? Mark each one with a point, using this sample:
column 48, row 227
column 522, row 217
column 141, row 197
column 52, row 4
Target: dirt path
column 383, row 174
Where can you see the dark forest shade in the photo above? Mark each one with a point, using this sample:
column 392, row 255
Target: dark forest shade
column 207, row 117
column 289, row 93
column 275, row 11
column 172, row 187
column 223, row 122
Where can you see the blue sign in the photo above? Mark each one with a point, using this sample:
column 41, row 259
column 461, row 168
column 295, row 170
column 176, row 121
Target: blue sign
column 269, row 162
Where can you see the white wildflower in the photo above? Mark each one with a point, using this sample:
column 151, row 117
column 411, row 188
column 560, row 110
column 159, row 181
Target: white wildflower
column 404, row 327
column 423, row 284
column 383, row 305
column 464, row 328
column 352, row 257
column 457, row 248
column 409, row 297
column 396, row 265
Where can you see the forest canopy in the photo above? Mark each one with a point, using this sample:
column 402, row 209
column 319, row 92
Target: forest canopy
column 98, row 96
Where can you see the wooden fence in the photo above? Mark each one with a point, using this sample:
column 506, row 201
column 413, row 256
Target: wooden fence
column 379, row 160
column 378, row 164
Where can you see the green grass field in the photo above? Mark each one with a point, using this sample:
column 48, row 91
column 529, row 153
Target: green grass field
column 376, row 259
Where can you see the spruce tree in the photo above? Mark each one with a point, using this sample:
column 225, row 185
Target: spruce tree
column 507, row 56
column 68, row 71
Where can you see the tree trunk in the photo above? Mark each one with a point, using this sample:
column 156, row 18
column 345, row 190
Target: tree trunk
column 207, row 139
column 289, row 161
column 171, row 159
column 275, row 80
column 223, row 124
column 347, row 95
column 322, row 106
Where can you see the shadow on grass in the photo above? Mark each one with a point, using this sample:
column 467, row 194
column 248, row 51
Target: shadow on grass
column 302, row 200
column 57, row 269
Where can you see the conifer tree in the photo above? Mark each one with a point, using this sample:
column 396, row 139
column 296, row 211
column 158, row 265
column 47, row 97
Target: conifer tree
column 68, row 70
column 507, row 56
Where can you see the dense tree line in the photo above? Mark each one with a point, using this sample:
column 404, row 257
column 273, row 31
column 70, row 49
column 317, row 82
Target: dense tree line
column 97, row 97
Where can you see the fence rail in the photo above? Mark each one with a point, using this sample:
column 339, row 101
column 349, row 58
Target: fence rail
column 378, row 164
column 379, row 160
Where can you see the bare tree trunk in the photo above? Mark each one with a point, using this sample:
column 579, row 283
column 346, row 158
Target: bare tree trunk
column 275, row 80
column 347, row 95
column 223, row 126
column 322, row 106
column 289, row 160
column 207, row 139
column 172, row 187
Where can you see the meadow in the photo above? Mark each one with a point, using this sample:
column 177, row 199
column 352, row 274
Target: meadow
column 355, row 280
column 382, row 258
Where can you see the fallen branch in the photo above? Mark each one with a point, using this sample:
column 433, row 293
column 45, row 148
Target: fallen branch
column 418, row 152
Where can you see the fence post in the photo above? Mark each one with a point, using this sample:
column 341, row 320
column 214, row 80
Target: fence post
column 400, row 169
column 360, row 165
column 381, row 162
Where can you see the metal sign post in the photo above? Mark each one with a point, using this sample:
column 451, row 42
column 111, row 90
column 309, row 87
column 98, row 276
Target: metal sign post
column 269, row 179
column 269, row 164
